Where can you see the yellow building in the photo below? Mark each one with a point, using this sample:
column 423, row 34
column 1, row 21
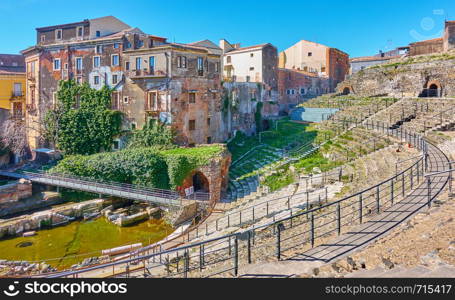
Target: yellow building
column 12, row 86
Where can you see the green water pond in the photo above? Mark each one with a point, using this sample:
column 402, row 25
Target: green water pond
column 80, row 239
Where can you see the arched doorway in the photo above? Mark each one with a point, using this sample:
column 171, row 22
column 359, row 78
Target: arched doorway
column 433, row 90
column 346, row 91
column 200, row 183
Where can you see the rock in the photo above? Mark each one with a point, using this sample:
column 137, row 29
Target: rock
column 362, row 263
column 350, row 261
column 44, row 267
column 315, row 271
column 388, row 263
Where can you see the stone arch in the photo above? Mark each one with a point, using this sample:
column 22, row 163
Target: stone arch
column 346, row 91
column 432, row 89
column 200, row 182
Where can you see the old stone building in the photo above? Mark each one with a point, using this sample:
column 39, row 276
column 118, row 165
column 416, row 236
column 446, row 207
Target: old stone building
column 316, row 58
column 297, row 86
column 425, row 79
column 436, row 45
column 250, row 86
column 12, row 86
column 152, row 79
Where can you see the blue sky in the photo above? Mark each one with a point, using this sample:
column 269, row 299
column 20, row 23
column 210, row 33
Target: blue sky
column 356, row 27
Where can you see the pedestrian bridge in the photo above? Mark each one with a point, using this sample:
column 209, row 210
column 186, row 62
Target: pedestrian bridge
column 121, row 190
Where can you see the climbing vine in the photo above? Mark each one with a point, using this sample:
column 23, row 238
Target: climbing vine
column 82, row 121
column 258, row 116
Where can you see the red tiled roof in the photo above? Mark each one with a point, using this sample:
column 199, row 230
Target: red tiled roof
column 428, row 41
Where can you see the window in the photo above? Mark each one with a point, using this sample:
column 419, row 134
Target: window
column 322, row 69
column 208, row 121
column 217, row 67
column 126, row 99
column 98, row 33
column 57, row 64
column 192, row 97
column 78, row 63
column 302, row 91
column 96, row 80
column 138, row 63
column 200, row 66
column 116, row 45
column 192, row 125
column 58, row 34
column 114, row 79
column 248, row 79
column 80, row 31
column 99, row 49
column 115, row 60
column 310, row 53
column 181, row 62
column 65, row 66
column 251, row 54
column 140, row 43
column 96, row 61
column 251, row 68
column 79, row 80
column 229, row 59
column 152, row 64
column 116, row 145
column 128, row 45
column 127, row 65
column 43, row 38
column 133, row 126
column 17, row 89
column 209, row 140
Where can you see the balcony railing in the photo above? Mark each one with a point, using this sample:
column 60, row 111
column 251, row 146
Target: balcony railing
column 146, row 73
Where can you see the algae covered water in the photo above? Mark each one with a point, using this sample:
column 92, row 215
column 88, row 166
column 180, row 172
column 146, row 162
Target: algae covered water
column 61, row 247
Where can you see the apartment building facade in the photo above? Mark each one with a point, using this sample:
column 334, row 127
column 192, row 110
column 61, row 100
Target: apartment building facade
column 12, row 86
column 316, row 58
column 151, row 78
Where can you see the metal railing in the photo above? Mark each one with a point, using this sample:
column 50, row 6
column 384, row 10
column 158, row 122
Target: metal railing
column 104, row 187
column 299, row 230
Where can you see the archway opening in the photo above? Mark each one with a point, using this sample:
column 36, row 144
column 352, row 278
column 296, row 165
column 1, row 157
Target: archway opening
column 433, row 90
column 201, row 183
column 346, row 91
column 265, row 125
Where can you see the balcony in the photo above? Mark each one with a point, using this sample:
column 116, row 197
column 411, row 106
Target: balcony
column 17, row 95
column 146, row 74
column 31, row 77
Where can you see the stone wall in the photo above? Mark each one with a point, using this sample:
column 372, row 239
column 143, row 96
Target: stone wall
column 16, row 191
column 215, row 174
column 403, row 80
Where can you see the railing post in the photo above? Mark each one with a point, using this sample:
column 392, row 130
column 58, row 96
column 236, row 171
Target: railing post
column 236, row 256
column 361, row 208
column 267, row 210
column 312, row 230
column 429, row 191
column 201, row 257
column 186, row 263
column 339, row 218
column 253, row 214
column 278, row 241
column 378, row 207
column 249, row 247
column 392, row 190
column 412, row 177
column 403, row 192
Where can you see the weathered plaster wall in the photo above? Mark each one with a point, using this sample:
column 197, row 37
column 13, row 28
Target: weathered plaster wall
column 403, row 80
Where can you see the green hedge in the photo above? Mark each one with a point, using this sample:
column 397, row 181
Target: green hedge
column 142, row 166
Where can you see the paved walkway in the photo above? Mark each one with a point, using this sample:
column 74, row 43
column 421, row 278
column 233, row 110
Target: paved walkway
column 363, row 235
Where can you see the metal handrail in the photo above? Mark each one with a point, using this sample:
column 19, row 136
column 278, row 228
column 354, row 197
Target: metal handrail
column 405, row 181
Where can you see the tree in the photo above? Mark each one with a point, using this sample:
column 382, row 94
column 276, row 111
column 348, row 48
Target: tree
column 13, row 137
column 81, row 121
column 156, row 135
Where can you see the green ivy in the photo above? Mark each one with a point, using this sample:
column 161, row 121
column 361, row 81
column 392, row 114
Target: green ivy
column 156, row 135
column 258, row 116
column 82, row 121
column 142, row 166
